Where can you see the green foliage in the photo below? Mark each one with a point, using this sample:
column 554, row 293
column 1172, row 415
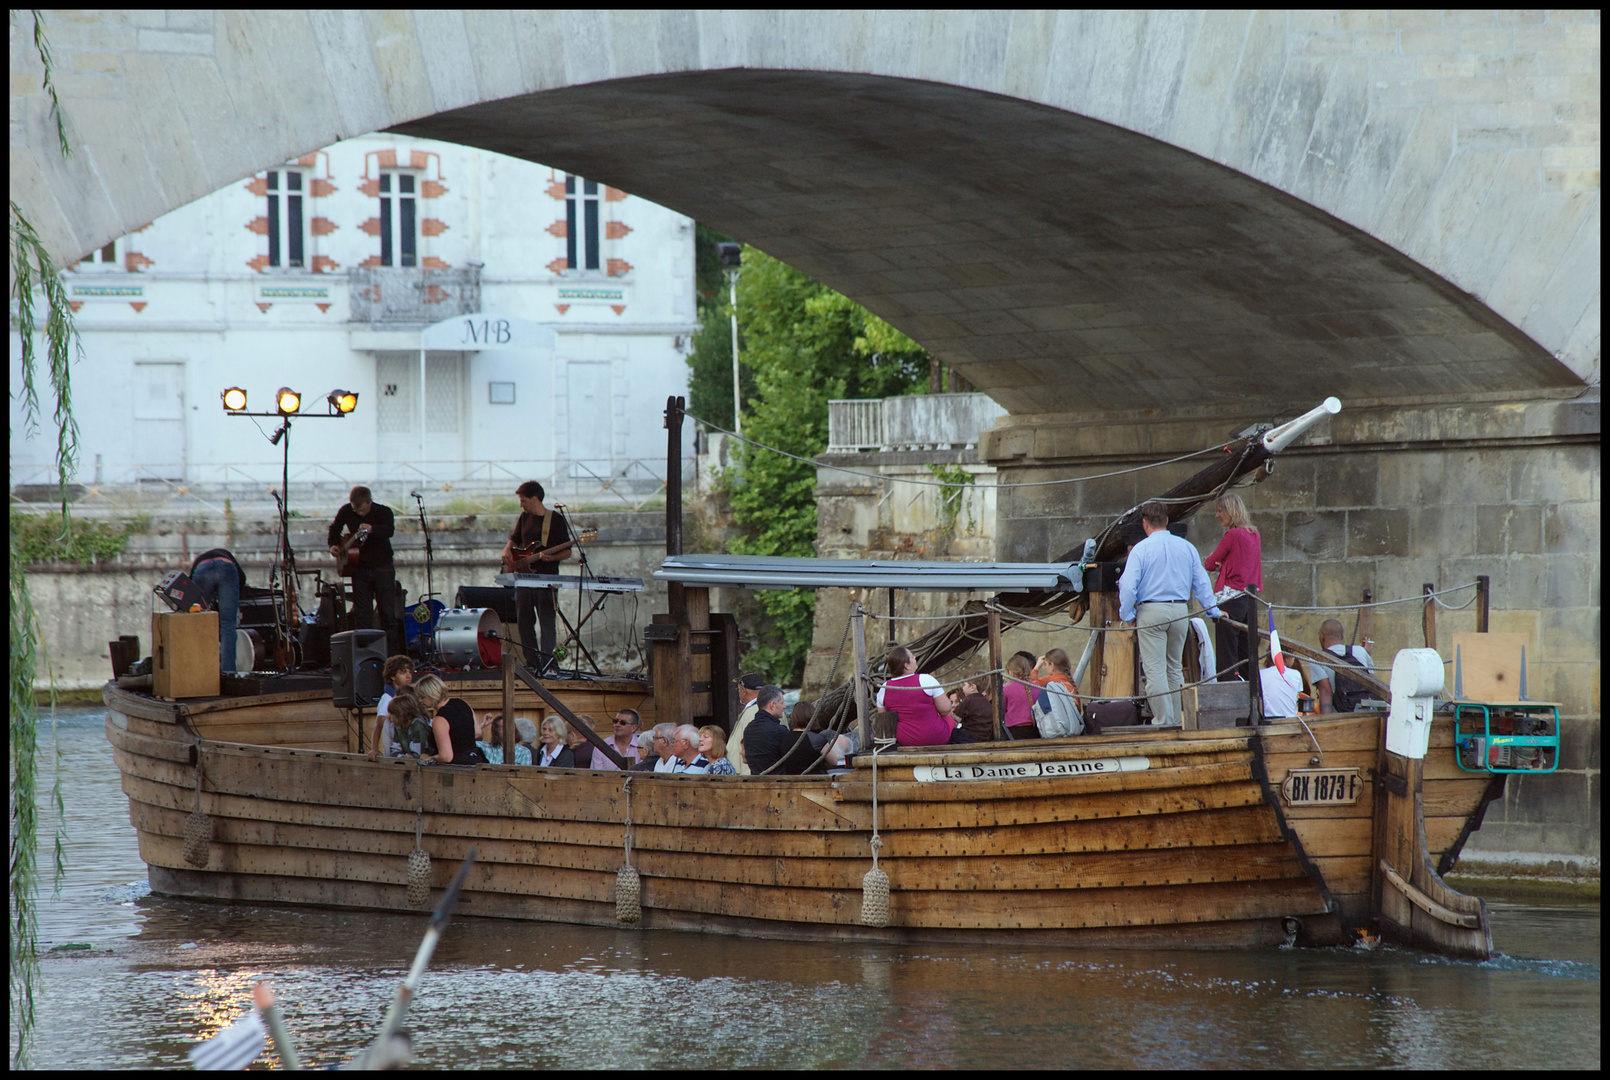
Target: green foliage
column 805, row 345
column 46, row 538
column 956, row 481
column 33, row 271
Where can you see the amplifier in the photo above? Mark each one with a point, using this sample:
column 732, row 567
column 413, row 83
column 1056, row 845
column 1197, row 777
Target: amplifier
column 497, row 597
column 180, row 593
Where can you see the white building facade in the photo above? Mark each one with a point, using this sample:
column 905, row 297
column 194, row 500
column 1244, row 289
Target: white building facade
column 323, row 274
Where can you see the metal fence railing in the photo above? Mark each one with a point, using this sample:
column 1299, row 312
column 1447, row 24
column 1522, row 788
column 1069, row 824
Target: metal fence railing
column 246, row 488
column 917, row 422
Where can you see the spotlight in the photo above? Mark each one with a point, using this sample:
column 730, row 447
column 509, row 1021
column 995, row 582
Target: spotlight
column 288, row 400
column 342, row 401
column 234, row 399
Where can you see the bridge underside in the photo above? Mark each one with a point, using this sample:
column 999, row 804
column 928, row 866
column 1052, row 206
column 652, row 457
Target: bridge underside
column 1061, row 264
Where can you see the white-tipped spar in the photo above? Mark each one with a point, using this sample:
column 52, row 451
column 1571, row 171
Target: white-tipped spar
column 1277, row 439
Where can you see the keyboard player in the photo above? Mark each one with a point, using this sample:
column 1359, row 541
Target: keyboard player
column 537, row 529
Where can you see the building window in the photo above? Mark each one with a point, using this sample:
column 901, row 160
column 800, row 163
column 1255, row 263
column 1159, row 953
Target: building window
column 107, row 254
column 502, row 393
column 287, row 222
column 399, row 219
column 581, row 223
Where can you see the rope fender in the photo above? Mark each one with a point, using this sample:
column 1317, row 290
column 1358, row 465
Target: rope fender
column 628, row 885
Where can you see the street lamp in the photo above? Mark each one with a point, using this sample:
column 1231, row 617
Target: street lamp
column 731, row 256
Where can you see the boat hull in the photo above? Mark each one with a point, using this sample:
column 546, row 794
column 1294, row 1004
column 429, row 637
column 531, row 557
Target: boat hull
column 1194, row 849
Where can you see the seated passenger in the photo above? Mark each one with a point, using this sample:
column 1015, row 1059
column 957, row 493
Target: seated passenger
column 1280, row 692
column 554, row 752
column 919, row 702
column 410, row 723
column 491, row 744
column 525, row 734
column 976, row 713
column 627, row 724
column 1054, row 667
column 685, row 756
column 804, row 718
column 713, row 745
column 580, row 748
column 1020, row 697
column 660, row 760
column 452, row 724
column 765, row 740
column 399, row 675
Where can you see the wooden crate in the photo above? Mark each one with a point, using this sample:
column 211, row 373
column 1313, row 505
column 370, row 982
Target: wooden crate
column 184, row 654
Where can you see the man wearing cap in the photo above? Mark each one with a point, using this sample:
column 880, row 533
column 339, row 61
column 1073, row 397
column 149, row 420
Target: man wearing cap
column 748, row 687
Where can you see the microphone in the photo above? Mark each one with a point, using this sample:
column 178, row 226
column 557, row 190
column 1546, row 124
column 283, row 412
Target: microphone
column 558, row 506
column 413, row 495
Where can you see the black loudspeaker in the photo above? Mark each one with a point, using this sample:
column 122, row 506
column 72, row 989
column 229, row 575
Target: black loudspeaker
column 314, row 637
column 359, row 661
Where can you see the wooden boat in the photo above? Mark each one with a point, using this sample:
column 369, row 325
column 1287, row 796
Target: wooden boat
column 1230, row 837
column 1138, row 838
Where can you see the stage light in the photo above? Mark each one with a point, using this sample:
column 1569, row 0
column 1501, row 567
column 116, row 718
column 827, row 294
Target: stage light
column 288, row 400
column 342, row 401
column 234, row 399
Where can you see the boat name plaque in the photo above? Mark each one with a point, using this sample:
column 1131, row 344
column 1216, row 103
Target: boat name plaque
column 1028, row 770
column 1321, row 787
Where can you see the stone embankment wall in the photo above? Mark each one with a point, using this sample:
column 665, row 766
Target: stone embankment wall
column 82, row 608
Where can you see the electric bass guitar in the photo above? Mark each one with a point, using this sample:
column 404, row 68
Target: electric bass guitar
column 351, row 545
column 521, row 558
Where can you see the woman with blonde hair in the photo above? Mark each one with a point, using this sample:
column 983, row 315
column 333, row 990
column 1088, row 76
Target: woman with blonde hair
column 1239, row 561
column 554, row 753
column 452, row 723
column 713, row 745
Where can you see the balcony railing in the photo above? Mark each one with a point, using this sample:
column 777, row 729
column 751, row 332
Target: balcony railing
column 920, row 422
column 408, row 295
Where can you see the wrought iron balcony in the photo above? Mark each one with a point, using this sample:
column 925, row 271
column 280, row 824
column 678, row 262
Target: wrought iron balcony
column 413, row 296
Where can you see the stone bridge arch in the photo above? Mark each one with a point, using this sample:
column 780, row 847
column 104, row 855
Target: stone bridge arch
column 1082, row 211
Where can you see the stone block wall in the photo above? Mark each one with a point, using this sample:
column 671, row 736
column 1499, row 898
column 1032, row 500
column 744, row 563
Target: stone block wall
column 1385, row 500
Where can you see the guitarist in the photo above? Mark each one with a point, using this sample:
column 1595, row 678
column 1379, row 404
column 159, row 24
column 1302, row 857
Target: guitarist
column 374, row 580
column 536, row 530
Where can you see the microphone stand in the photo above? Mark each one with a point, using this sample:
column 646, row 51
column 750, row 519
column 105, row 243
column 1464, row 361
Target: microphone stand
column 430, row 590
column 584, row 572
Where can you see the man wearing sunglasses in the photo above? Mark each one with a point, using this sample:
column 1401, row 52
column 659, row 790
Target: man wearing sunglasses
column 627, row 724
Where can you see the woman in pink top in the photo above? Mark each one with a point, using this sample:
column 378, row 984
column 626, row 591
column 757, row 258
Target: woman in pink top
column 1019, row 720
column 1239, row 561
column 921, row 703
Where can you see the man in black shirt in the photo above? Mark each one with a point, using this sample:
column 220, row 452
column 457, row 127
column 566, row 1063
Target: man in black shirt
column 536, row 530
column 374, row 580
column 766, row 741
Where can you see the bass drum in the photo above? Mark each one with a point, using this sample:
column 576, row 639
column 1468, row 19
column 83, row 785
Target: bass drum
column 469, row 637
column 422, row 618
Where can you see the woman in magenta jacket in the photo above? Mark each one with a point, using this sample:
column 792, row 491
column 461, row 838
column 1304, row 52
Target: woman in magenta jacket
column 1239, row 561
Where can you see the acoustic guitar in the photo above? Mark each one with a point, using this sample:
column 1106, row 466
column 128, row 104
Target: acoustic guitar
column 522, row 557
column 351, row 545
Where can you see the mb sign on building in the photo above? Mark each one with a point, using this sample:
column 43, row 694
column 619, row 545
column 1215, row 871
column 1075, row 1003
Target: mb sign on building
column 499, row 320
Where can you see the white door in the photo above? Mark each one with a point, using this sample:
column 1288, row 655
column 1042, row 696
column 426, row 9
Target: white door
column 397, row 417
column 159, row 420
column 588, row 416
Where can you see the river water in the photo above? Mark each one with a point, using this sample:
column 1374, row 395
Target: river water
column 163, row 973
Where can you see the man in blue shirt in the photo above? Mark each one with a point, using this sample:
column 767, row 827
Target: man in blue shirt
column 1162, row 571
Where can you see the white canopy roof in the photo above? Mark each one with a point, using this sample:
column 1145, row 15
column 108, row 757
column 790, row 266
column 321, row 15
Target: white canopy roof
column 779, row 572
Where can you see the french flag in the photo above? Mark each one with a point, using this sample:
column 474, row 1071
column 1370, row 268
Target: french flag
column 1275, row 655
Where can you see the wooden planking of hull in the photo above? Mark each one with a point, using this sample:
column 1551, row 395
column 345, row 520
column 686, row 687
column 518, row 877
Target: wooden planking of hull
column 1150, row 839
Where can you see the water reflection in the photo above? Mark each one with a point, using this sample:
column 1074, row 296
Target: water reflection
column 501, row 994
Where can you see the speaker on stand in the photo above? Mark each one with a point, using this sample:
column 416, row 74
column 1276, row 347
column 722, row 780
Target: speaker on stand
column 359, row 662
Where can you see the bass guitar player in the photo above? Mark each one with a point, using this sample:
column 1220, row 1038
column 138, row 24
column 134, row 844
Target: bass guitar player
column 538, row 530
